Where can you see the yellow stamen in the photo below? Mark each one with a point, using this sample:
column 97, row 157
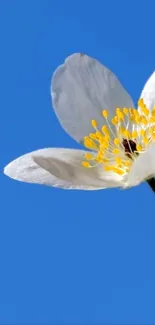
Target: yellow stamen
column 86, row 164
column 139, row 147
column 152, row 129
column 117, row 141
column 138, row 119
column 125, row 110
column 105, row 129
column 127, row 133
column 107, row 137
column 92, row 136
column 144, row 120
column 131, row 111
column 118, row 171
column 104, row 144
column 118, row 161
column 108, row 168
column 121, row 130
column 119, row 114
column 145, row 140
column 94, row 124
column 117, row 148
column 99, row 135
column 99, row 156
column 134, row 134
column 152, row 119
column 142, row 132
column 132, row 118
column 153, row 112
column 116, row 151
column 127, row 163
column 145, row 110
column 114, row 120
column 140, row 102
column 90, row 144
column 88, row 156
column 105, row 113
column 143, row 107
column 135, row 112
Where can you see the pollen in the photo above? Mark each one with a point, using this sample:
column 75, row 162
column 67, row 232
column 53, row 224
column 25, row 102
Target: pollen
column 120, row 140
column 105, row 129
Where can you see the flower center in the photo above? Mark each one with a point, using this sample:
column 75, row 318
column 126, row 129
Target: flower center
column 116, row 145
column 129, row 147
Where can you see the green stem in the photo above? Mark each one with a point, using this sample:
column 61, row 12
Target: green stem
column 151, row 183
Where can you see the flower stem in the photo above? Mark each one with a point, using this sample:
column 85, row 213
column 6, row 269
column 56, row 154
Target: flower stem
column 151, row 183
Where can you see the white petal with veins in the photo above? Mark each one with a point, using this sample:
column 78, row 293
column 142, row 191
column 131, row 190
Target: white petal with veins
column 81, row 88
column 143, row 167
column 148, row 92
column 60, row 168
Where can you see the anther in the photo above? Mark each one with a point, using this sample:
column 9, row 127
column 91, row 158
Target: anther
column 105, row 129
column 134, row 134
column 92, row 136
column 105, row 113
column 125, row 110
column 90, row 144
column 114, row 120
column 127, row 133
column 118, row 161
column 139, row 147
column 117, row 141
column 153, row 112
column 116, row 151
column 94, row 124
column 86, row 164
column 152, row 119
column 145, row 140
column 88, row 156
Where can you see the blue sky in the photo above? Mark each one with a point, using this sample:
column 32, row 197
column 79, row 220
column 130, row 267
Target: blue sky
column 71, row 257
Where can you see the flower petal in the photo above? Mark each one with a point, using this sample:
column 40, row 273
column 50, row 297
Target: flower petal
column 148, row 92
column 81, row 88
column 60, row 168
column 143, row 168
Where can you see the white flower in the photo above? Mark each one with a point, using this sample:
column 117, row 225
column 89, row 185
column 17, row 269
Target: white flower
column 95, row 110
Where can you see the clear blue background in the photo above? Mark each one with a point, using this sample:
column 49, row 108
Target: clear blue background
column 70, row 257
